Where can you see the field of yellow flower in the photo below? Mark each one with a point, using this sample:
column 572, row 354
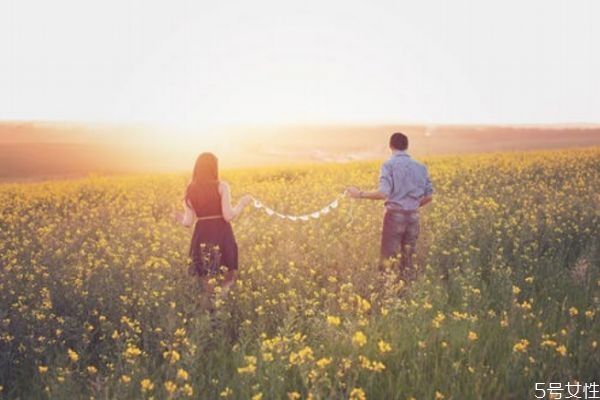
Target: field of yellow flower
column 95, row 300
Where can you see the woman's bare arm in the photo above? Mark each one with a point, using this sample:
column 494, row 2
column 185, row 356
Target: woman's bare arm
column 185, row 217
column 188, row 214
column 230, row 212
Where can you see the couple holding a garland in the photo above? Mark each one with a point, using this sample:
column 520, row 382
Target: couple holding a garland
column 404, row 185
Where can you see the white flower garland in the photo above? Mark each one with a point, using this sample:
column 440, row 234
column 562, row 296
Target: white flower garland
column 304, row 217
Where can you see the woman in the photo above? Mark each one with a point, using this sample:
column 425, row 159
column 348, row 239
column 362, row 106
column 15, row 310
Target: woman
column 213, row 244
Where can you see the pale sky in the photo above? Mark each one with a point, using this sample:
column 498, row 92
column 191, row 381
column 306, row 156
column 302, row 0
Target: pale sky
column 205, row 63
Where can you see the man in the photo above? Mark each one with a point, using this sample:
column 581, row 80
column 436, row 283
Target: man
column 405, row 186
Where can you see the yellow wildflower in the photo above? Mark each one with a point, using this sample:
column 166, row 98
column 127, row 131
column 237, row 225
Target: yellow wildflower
column 132, row 351
column 573, row 312
column 146, row 385
column 359, row 339
column 182, row 374
column 357, row 394
column 73, row 356
column 384, row 347
column 170, row 387
column 323, row 362
column 525, row 305
column 250, row 368
column 187, row 390
column 173, row 356
column 439, row 318
column 521, row 346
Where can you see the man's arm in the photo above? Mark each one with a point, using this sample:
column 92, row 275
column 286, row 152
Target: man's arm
column 356, row 193
column 428, row 196
column 385, row 186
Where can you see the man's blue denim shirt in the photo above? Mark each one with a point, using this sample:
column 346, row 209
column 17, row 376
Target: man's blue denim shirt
column 404, row 181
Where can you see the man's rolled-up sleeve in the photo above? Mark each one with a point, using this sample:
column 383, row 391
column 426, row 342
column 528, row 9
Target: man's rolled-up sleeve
column 386, row 182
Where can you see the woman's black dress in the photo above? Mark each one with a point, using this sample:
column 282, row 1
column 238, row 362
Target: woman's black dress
column 213, row 244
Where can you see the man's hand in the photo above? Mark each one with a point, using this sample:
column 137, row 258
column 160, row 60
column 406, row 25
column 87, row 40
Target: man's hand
column 425, row 200
column 353, row 192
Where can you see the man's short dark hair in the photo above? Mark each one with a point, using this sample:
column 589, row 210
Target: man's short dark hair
column 399, row 141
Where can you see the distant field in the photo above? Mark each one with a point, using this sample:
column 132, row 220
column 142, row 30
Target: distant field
column 347, row 143
column 95, row 300
column 31, row 151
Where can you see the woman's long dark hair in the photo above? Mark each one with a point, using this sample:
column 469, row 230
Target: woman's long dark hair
column 205, row 179
column 206, row 169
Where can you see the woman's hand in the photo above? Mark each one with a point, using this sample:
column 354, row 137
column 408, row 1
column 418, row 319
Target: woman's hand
column 185, row 217
column 229, row 212
column 177, row 216
column 245, row 200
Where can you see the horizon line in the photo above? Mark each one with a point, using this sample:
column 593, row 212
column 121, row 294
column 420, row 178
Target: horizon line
column 159, row 125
